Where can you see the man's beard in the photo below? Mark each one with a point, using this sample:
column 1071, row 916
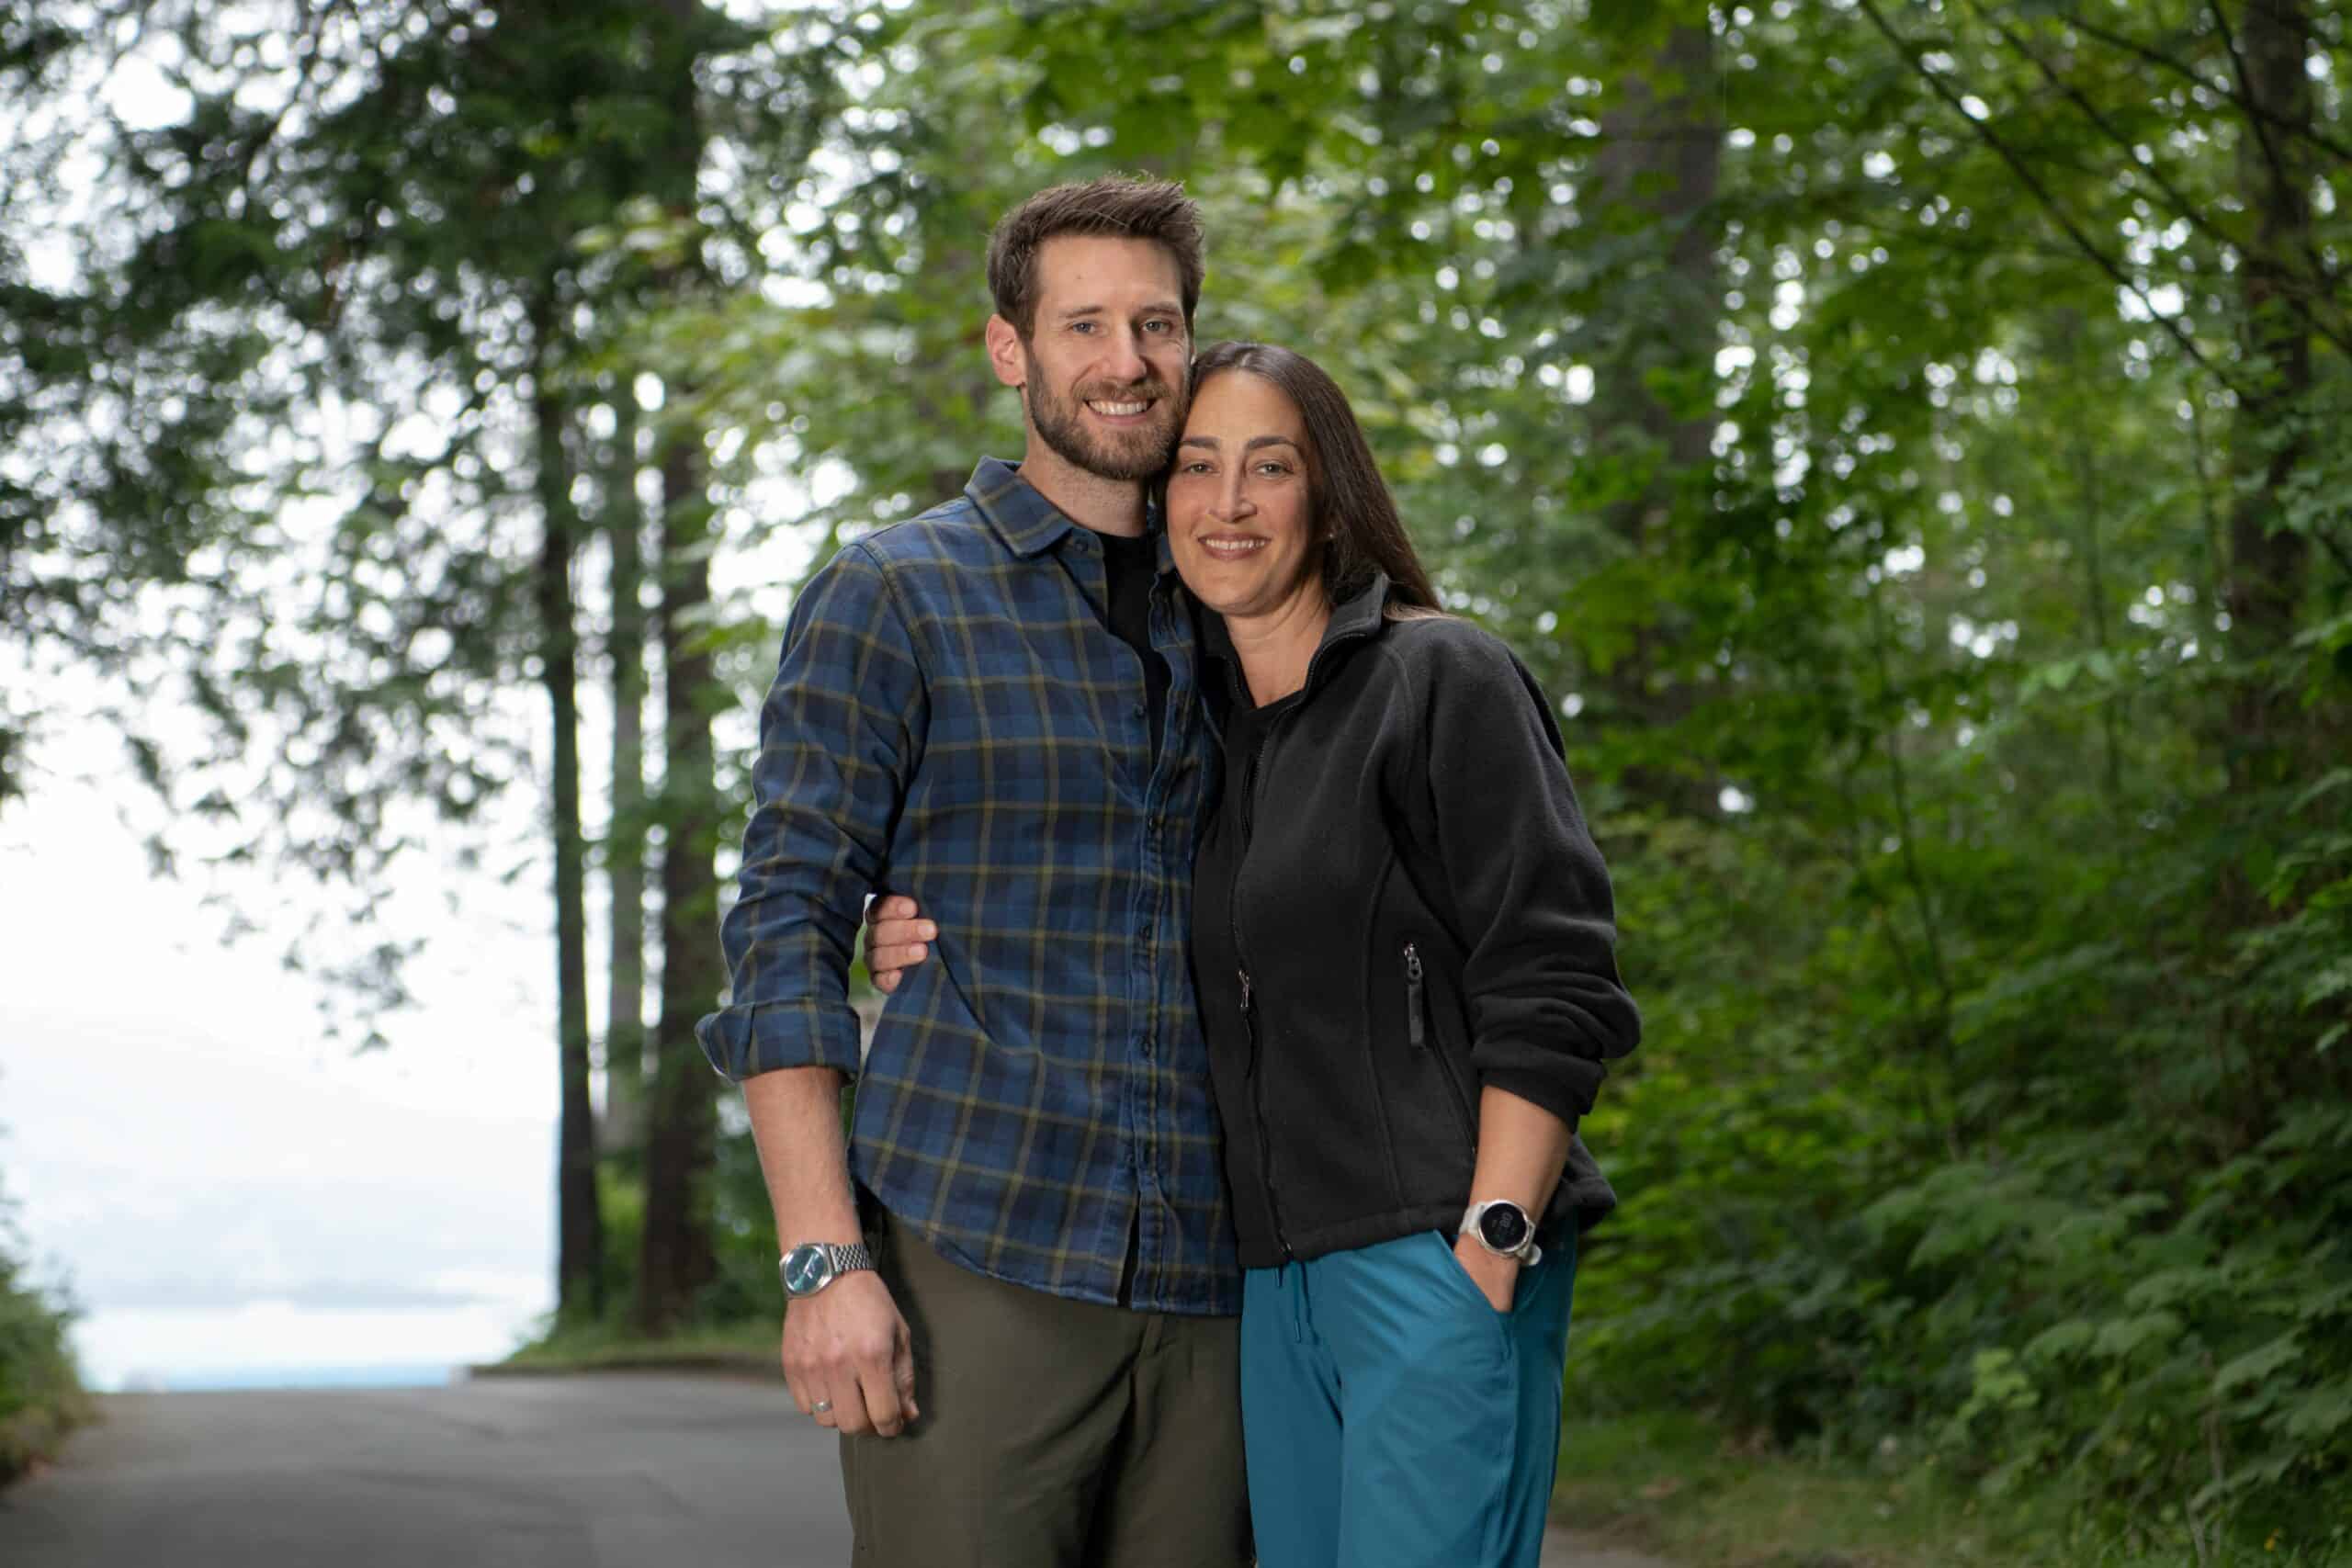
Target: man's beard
column 1135, row 454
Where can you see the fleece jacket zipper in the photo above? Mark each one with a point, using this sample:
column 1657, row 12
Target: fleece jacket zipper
column 1233, row 918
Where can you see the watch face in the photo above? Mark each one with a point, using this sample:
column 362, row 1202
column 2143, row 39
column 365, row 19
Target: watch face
column 1504, row 1226
column 805, row 1268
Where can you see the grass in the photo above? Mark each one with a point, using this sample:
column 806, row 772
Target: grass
column 1673, row 1485
column 748, row 1347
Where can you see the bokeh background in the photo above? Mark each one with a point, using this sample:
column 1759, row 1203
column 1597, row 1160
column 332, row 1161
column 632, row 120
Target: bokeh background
column 1907, row 439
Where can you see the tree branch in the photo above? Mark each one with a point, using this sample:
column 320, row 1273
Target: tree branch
column 2158, row 58
column 2180, row 202
column 2041, row 193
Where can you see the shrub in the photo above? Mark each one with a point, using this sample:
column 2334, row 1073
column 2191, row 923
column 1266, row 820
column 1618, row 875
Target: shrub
column 41, row 1391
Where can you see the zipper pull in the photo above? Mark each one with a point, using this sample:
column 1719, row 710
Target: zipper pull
column 1248, row 1019
column 1416, row 1030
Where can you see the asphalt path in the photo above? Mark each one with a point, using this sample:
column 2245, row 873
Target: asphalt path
column 618, row 1470
column 615, row 1471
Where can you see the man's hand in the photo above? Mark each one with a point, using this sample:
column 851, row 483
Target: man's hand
column 1495, row 1276
column 894, row 940
column 847, row 1348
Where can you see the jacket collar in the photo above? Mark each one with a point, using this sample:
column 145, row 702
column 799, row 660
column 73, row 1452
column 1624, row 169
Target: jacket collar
column 1358, row 617
column 1029, row 523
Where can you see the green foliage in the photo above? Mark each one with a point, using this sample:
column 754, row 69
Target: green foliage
column 1904, row 518
column 41, row 1389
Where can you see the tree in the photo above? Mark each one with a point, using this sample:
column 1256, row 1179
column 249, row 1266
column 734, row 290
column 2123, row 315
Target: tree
column 623, row 526
column 382, row 215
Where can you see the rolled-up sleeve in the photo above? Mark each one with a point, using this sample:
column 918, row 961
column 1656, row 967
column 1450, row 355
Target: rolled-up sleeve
column 1547, row 1006
column 839, row 734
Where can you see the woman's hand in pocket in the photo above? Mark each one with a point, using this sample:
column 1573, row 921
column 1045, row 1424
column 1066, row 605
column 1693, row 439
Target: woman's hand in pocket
column 1495, row 1276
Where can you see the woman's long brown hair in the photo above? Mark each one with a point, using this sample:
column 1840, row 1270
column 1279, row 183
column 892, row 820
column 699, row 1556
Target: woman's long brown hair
column 1352, row 509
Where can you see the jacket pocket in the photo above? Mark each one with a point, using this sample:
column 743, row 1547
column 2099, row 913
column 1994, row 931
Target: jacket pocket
column 1423, row 1038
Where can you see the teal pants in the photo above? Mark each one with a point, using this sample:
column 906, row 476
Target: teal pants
column 1391, row 1418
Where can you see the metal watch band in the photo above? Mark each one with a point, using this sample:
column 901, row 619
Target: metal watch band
column 847, row 1255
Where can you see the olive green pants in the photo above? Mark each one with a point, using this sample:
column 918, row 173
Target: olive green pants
column 1054, row 1433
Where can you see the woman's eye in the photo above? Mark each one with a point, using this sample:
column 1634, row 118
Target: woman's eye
column 1274, row 470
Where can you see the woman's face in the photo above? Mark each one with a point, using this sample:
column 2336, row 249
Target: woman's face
column 1239, row 518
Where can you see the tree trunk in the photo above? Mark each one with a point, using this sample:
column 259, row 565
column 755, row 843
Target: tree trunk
column 579, row 1221
column 676, row 1257
column 624, row 1127
column 1656, row 173
column 676, row 1260
column 2266, row 556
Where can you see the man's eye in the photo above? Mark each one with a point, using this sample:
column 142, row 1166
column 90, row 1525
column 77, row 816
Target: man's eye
column 1163, row 328
column 1081, row 326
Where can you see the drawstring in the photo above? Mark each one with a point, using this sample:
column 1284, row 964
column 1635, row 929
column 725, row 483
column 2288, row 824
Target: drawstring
column 1297, row 1301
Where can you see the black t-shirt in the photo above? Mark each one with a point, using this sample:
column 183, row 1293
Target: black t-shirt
column 1134, row 565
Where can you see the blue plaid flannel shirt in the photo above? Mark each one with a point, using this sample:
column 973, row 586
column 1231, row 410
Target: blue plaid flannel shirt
column 953, row 718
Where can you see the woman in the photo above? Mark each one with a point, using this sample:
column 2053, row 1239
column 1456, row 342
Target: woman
column 1403, row 944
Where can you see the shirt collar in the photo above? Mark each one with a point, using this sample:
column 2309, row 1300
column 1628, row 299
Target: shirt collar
column 1029, row 523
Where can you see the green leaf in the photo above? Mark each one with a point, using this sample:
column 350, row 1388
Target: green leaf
column 2258, row 1364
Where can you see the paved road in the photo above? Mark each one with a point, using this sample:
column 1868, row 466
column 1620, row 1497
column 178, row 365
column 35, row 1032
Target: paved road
column 612, row 1472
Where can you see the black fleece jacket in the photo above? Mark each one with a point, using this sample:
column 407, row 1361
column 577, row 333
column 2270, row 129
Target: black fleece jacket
column 1397, row 903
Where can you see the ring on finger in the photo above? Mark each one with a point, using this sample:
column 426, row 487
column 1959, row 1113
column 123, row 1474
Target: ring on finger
column 822, row 1407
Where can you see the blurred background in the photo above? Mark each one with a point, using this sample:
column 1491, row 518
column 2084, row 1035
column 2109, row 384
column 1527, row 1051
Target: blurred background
column 1907, row 439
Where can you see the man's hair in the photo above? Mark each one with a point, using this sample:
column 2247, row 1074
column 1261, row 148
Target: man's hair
column 1124, row 208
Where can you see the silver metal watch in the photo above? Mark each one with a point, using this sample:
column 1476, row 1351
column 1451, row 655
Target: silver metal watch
column 1503, row 1229
column 813, row 1265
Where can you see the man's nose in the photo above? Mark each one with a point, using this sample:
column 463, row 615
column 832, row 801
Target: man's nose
column 1123, row 359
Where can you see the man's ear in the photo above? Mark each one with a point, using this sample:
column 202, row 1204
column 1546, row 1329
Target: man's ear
column 1005, row 354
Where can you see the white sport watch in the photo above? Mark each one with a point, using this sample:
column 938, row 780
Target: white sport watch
column 1503, row 1229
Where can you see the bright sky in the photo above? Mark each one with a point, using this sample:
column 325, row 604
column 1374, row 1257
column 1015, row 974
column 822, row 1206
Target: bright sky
column 223, row 1189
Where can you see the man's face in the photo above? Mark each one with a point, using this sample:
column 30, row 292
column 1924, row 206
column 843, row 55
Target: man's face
column 1105, row 357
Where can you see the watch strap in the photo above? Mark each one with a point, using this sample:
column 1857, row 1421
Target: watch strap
column 847, row 1255
column 1527, row 1251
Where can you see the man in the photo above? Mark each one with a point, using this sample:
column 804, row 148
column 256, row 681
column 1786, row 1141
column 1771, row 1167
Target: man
column 995, row 709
